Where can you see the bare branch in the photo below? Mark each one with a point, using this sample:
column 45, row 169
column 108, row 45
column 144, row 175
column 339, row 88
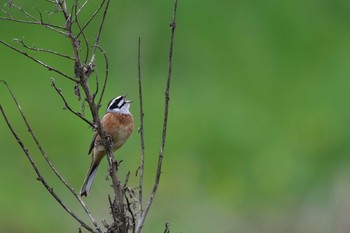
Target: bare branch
column 42, row 50
column 40, row 177
column 165, row 123
column 113, row 164
column 141, row 129
column 60, row 177
column 50, row 68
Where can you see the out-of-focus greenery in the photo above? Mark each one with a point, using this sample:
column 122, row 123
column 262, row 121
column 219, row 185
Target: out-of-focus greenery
column 259, row 121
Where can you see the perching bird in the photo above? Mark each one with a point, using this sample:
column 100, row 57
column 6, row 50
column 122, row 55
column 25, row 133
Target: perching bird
column 117, row 123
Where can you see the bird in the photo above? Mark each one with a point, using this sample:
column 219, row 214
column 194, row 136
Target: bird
column 118, row 123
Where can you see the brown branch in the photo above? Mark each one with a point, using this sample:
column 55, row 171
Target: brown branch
column 107, row 144
column 50, row 68
column 41, row 178
column 53, row 168
column 165, row 123
column 141, row 129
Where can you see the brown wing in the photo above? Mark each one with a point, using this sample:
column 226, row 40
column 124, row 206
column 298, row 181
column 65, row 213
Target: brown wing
column 92, row 144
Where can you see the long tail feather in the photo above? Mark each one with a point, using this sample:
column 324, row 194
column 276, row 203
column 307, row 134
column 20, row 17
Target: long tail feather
column 89, row 179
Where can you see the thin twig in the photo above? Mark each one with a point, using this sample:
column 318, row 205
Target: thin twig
column 131, row 213
column 52, row 26
column 5, row 12
column 50, row 68
column 92, row 17
column 60, row 177
column 99, row 33
column 36, row 21
column 141, row 129
column 125, row 186
column 74, row 7
column 78, row 114
column 106, row 75
column 80, row 8
column 112, row 208
column 42, row 50
column 23, row 11
column 165, row 123
column 63, row 6
column 97, row 86
column 167, row 228
column 41, row 178
column 83, row 34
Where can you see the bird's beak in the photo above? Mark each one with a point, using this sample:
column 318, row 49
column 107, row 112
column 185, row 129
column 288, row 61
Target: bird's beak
column 127, row 101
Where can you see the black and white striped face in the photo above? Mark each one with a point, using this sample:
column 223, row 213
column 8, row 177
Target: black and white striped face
column 119, row 104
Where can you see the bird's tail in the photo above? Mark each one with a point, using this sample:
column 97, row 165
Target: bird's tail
column 89, row 179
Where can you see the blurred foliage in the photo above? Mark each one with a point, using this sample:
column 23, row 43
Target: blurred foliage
column 259, row 130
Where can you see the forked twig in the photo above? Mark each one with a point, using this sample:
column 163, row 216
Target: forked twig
column 50, row 68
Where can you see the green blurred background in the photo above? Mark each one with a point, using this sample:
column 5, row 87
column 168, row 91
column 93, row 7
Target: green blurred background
column 259, row 129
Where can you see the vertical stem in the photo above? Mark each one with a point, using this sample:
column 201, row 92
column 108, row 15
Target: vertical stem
column 165, row 123
column 141, row 130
